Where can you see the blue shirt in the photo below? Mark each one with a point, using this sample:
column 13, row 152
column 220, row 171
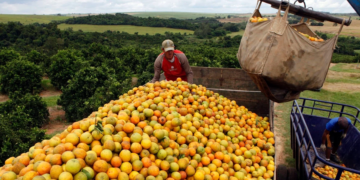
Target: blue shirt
column 332, row 125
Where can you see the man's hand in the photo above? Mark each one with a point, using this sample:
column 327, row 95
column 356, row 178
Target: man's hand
column 323, row 147
column 343, row 136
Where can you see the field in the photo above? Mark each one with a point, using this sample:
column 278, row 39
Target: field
column 352, row 30
column 126, row 28
column 180, row 15
column 29, row 19
column 241, row 32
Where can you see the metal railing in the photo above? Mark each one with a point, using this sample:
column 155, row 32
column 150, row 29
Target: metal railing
column 301, row 139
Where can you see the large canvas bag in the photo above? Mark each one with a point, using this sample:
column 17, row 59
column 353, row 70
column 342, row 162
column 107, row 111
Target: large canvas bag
column 280, row 60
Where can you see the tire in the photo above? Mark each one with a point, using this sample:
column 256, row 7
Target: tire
column 292, row 174
column 281, row 172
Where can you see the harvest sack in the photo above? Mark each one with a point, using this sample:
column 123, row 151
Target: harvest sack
column 280, row 60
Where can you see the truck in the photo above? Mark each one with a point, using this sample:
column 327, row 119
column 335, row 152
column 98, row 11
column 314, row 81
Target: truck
column 308, row 121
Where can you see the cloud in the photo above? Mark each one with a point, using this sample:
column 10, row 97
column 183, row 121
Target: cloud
column 111, row 6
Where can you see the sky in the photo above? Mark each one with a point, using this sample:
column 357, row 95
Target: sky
column 113, row 6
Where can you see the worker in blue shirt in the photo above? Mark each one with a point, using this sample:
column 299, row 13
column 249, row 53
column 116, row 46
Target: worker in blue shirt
column 335, row 131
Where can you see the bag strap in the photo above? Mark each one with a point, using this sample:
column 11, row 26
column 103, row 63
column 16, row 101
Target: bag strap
column 302, row 20
column 337, row 35
column 258, row 4
column 286, row 11
column 342, row 25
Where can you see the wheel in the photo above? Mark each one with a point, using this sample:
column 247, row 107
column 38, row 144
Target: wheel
column 292, row 174
column 281, row 172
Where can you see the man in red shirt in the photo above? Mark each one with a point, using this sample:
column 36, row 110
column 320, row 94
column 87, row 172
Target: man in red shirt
column 173, row 62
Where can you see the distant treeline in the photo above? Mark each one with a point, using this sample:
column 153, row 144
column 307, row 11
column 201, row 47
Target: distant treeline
column 204, row 27
column 125, row 19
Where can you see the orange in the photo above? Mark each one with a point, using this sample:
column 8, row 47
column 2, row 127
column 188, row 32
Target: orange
column 113, row 173
column 55, row 171
column 79, row 153
column 129, row 127
column 153, row 170
column 100, row 166
column 126, row 167
column 116, row 161
column 72, row 138
column 43, row 168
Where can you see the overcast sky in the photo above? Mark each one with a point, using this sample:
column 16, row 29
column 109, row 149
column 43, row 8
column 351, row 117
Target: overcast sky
column 111, row 6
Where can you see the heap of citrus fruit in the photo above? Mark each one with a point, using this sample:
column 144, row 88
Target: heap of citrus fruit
column 164, row 130
column 310, row 37
column 331, row 172
column 255, row 19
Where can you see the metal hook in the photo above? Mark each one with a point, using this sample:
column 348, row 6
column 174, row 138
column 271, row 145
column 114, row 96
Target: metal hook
column 301, row 1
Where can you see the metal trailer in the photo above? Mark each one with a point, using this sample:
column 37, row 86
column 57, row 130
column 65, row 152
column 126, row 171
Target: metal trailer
column 308, row 120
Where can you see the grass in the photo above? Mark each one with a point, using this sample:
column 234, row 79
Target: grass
column 179, row 15
column 29, row 19
column 51, row 100
column 351, row 80
column 344, row 67
column 357, row 51
column 46, row 85
column 126, row 28
column 241, row 32
column 283, row 110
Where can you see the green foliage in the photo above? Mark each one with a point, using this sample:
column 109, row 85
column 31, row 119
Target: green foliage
column 88, row 89
column 16, row 140
column 125, row 19
column 64, row 66
column 341, row 58
column 20, row 118
column 144, row 78
column 39, row 59
column 100, row 55
column 316, row 24
column 21, row 75
column 7, row 55
column 32, row 105
column 35, row 57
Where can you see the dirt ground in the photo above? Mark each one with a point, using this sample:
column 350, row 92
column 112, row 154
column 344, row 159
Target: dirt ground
column 50, row 93
column 279, row 138
column 4, row 97
column 57, row 121
column 342, row 87
column 233, row 20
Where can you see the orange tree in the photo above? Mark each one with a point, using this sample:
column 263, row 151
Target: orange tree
column 88, row 89
column 21, row 75
column 20, row 118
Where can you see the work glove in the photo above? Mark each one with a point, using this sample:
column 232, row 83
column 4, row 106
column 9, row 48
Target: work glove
column 323, row 147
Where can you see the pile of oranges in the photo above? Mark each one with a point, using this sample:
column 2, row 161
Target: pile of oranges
column 332, row 172
column 255, row 19
column 165, row 130
column 310, row 37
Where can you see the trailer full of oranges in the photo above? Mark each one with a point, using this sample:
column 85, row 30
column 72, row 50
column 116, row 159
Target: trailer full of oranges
column 331, row 172
column 164, row 130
